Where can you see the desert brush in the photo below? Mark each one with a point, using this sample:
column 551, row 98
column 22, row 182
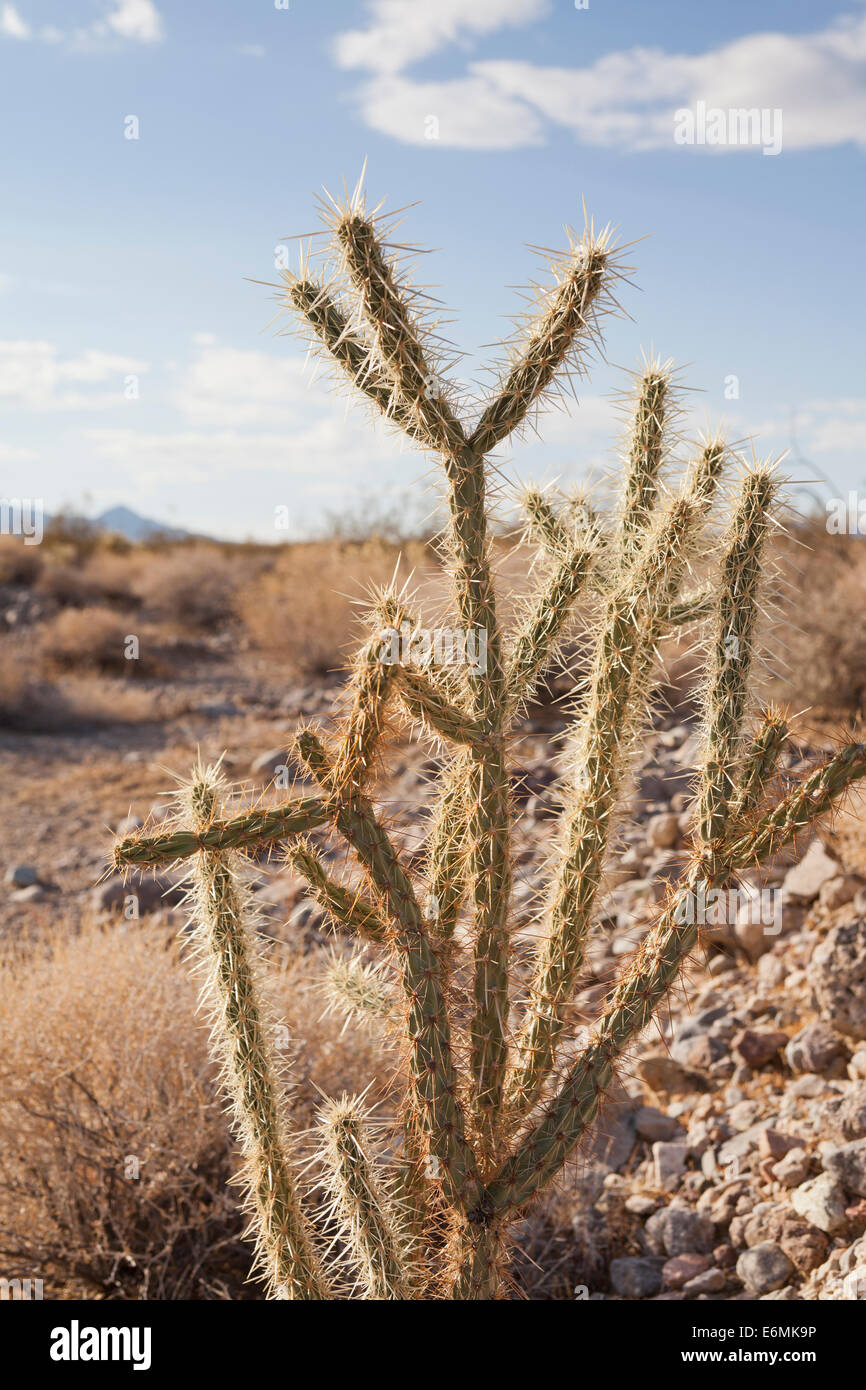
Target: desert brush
column 497, row 1091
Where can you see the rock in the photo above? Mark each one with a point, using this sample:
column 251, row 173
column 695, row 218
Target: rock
column 134, row 898
column 847, row 1165
column 662, row 1073
column 773, row 1144
column 821, row 1201
column 33, row 893
column 836, row 892
column 772, row 970
column 680, row 1231
column 804, row 882
column 756, row 1048
column 712, row 1281
column 641, row 1205
column 844, row 1116
column 663, row 831
column 837, row 976
column 793, row 1169
column 21, row 876
column 669, row 1160
column 698, row 1052
column 653, row 1124
column 806, row 1087
column 636, row 1276
column 814, row 1049
column 857, row 1066
column 678, row 1271
column 764, row 1268
column 802, row 1242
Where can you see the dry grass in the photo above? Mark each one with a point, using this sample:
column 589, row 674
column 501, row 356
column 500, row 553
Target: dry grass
column 305, row 608
column 193, row 587
column 88, row 639
column 114, row 1154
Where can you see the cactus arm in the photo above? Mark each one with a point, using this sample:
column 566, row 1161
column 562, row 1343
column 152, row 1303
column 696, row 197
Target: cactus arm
column 599, row 769
column 428, row 705
column 446, row 855
column 566, row 324
column 259, row 827
column 346, row 909
column 330, row 329
column 363, row 1209
column 759, row 764
column 645, row 457
column 434, row 1078
column 396, row 333
column 542, row 629
column 239, row 1036
column 733, row 650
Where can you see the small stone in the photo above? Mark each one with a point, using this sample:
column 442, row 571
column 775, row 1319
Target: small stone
column 836, row 892
column 724, row 1256
column 662, row 1073
column 844, row 1116
column 821, row 1201
column 678, row 1271
column 772, row 970
column 680, row 1231
column 857, row 1066
column 773, row 1144
column 814, row 1049
column 764, row 1268
column 669, row 1160
column 712, row 1281
column 806, row 1087
column 21, row 876
column 793, row 1169
column 847, row 1165
column 653, row 1124
column 663, row 831
column 33, row 893
column 698, row 1052
column 804, row 882
column 641, row 1205
column 837, row 976
column 756, row 1048
column 636, row 1276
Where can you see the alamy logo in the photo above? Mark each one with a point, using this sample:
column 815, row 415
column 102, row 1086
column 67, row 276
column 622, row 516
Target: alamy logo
column 713, row 125
column 20, row 1290
column 77, row 1343
column 441, row 646
column 846, row 516
column 22, row 516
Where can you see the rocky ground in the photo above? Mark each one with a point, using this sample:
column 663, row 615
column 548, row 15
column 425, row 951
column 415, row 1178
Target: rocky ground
column 732, row 1162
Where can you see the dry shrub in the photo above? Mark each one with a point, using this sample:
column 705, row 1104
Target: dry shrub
column 19, row 563
column 29, row 704
column 90, row 638
column 192, row 586
column 305, row 609
column 114, row 1151
column 824, row 644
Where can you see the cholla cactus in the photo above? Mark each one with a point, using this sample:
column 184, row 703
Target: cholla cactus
column 497, row 1095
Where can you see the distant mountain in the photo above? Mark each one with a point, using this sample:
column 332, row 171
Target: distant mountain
column 123, row 521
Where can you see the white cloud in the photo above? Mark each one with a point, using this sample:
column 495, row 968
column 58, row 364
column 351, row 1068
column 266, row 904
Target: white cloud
column 402, row 32
column 34, row 376
column 138, row 21
column 227, row 387
column 12, row 25
column 626, row 99
column 252, row 50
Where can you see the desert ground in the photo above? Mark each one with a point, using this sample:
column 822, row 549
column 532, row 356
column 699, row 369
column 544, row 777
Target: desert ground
column 731, row 1163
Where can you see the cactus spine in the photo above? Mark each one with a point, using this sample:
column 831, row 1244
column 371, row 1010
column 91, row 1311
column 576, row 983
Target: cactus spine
column 496, row 1098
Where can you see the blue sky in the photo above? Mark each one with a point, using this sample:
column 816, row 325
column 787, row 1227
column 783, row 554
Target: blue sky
column 137, row 363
